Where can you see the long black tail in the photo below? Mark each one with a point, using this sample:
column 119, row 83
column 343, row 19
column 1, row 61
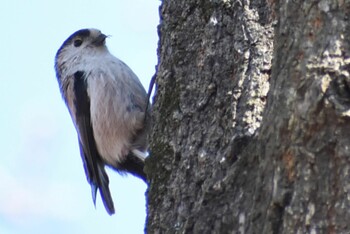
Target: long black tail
column 104, row 190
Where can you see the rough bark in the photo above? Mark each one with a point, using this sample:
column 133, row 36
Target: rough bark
column 221, row 160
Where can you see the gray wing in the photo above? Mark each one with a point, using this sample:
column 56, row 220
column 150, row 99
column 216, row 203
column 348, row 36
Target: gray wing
column 138, row 108
column 93, row 165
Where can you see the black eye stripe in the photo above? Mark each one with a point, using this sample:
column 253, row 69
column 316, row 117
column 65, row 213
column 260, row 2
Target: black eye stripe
column 77, row 42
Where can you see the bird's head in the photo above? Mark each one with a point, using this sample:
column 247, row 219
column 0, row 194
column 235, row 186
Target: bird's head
column 81, row 44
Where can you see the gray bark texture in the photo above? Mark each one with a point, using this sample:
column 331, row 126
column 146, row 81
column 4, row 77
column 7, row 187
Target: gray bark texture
column 251, row 130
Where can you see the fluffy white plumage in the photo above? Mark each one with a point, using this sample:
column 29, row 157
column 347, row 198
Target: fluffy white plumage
column 108, row 105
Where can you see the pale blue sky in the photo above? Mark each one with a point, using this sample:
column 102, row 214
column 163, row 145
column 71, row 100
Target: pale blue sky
column 43, row 188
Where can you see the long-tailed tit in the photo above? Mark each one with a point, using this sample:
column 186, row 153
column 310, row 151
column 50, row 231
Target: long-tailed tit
column 108, row 106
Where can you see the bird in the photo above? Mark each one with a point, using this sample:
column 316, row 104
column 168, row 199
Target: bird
column 109, row 108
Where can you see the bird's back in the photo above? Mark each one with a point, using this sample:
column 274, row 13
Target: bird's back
column 118, row 103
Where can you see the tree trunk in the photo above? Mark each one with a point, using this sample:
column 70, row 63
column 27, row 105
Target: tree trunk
column 251, row 118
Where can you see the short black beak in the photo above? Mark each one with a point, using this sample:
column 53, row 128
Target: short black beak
column 100, row 40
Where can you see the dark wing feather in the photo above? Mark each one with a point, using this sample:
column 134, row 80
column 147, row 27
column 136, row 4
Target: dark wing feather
column 94, row 167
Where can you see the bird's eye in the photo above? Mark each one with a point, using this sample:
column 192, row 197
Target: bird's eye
column 78, row 42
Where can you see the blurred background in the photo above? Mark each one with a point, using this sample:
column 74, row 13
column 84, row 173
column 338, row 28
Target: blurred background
column 43, row 188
